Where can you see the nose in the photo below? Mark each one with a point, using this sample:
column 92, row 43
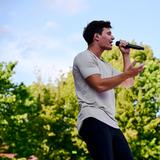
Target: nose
column 113, row 37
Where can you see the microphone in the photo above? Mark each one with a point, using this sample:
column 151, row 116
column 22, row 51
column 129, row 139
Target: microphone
column 131, row 46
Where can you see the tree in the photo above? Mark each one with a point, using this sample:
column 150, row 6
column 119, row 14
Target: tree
column 17, row 115
column 59, row 111
column 138, row 106
column 40, row 119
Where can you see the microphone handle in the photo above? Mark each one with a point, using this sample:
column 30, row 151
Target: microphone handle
column 134, row 47
column 131, row 46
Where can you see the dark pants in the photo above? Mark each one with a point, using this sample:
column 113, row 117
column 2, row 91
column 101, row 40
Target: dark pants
column 104, row 142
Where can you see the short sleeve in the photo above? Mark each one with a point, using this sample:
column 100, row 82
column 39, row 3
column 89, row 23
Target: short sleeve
column 115, row 72
column 86, row 64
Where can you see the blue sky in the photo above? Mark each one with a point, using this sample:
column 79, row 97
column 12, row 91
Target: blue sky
column 45, row 35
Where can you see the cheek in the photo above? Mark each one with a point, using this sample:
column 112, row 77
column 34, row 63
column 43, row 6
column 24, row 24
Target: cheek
column 103, row 40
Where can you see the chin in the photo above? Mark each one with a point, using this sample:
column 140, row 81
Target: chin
column 108, row 48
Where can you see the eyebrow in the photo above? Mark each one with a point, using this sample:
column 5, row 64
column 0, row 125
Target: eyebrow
column 109, row 32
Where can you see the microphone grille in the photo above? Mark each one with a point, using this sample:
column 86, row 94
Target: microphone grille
column 117, row 43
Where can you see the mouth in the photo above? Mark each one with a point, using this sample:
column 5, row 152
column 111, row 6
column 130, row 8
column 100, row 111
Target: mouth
column 111, row 42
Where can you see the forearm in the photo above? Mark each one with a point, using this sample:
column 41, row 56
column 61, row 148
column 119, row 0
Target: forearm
column 104, row 84
column 130, row 81
column 126, row 62
column 110, row 83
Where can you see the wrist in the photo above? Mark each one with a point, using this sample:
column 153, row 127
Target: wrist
column 126, row 74
column 126, row 55
column 126, row 58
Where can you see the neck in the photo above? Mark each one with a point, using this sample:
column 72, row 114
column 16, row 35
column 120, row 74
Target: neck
column 95, row 50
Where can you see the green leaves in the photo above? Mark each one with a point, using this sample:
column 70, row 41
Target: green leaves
column 138, row 106
column 40, row 119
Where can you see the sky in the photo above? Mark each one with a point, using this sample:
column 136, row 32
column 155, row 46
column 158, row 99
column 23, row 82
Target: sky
column 44, row 36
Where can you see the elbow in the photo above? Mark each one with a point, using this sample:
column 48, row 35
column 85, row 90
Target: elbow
column 97, row 84
column 100, row 89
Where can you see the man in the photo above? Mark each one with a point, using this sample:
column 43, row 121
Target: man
column 95, row 81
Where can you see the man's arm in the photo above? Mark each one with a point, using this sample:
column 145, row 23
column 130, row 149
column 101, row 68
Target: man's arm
column 104, row 84
column 126, row 63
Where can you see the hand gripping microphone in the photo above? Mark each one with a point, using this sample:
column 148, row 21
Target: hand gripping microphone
column 131, row 46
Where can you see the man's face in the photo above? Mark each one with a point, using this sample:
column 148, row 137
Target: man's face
column 105, row 40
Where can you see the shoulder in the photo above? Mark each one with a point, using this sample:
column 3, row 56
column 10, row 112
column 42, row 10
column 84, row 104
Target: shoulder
column 82, row 57
column 82, row 54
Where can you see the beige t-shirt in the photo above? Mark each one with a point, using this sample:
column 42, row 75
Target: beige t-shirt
column 93, row 104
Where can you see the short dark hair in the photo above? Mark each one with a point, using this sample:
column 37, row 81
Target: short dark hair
column 94, row 27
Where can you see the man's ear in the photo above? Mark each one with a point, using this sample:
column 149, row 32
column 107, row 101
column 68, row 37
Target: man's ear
column 96, row 36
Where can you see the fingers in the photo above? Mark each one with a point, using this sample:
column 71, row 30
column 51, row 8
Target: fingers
column 140, row 67
column 131, row 65
column 122, row 47
column 134, row 71
column 134, row 63
column 123, row 43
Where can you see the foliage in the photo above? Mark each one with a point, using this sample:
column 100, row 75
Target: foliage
column 40, row 119
column 59, row 111
column 17, row 112
column 138, row 107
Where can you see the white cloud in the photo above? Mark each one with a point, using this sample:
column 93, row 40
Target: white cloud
column 49, row 68
column 4, row 30
column 51, row 25
column 75, row 37
column 69, row 6
column 33, row 53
